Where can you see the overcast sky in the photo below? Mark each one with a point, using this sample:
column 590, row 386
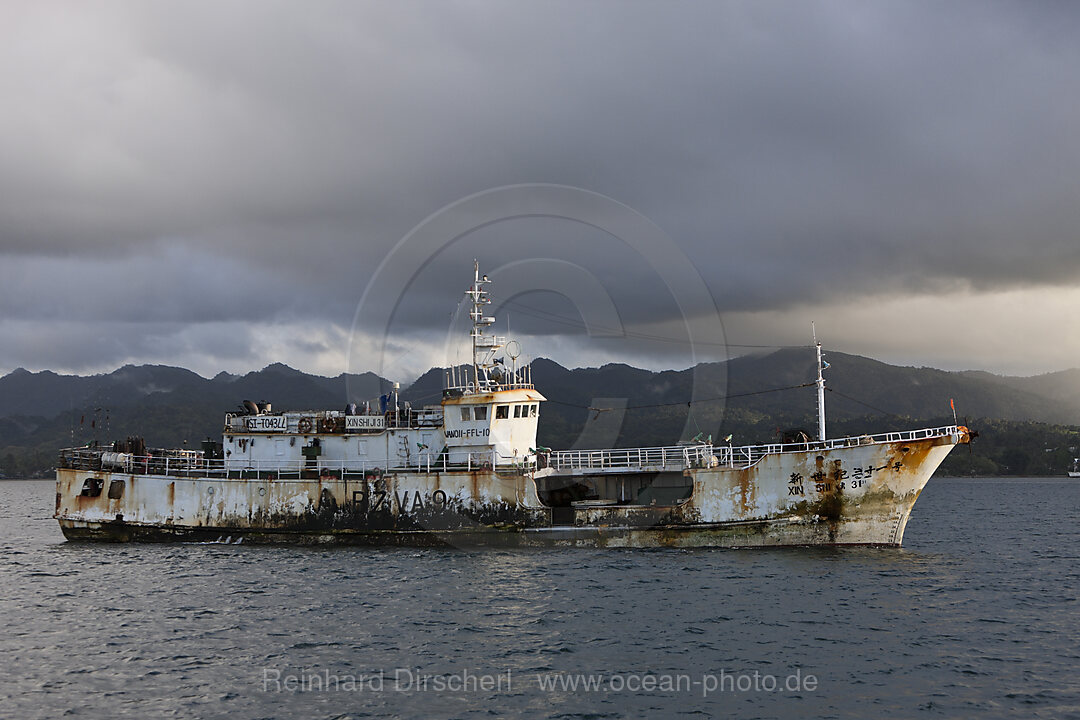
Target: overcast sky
column 214, row 184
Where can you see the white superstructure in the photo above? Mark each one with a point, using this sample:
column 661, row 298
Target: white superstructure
column 488, row 417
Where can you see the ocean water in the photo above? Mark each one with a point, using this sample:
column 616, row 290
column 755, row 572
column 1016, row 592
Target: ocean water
column 976, row 616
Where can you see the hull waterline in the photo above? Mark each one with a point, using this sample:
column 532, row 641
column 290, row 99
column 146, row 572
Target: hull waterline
column 858, row 493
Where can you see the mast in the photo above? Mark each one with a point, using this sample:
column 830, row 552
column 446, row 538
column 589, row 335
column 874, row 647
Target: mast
column 821, row 365
column 484, row 346
column 489, row 373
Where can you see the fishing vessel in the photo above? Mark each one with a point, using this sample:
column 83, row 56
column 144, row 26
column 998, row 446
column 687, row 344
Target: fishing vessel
column 468, row 472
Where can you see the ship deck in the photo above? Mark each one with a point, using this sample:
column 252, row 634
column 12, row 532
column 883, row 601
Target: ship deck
column 558, row 462
column 661, row 459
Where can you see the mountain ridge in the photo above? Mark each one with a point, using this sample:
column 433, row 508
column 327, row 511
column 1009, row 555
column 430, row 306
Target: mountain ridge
column 751, row 397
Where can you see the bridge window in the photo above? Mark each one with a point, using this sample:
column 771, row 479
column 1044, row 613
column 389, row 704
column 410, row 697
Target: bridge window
column 533, row 409
column 480, row 412
column 502, row 412
column 517, row 411
column 466, row 413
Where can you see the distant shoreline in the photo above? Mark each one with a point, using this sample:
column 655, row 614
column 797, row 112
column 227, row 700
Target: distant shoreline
column 1002, row 477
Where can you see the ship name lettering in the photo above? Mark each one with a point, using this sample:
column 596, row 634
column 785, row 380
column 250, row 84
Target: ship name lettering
column 468, row 432
column 404, row 505
column 410, row 501
column 379, row 498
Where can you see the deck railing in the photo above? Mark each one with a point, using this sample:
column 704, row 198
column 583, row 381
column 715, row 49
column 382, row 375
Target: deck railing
column 675, row 457
column 651, row 458
column 196, row 464
column 333, row 422
column 707, row 455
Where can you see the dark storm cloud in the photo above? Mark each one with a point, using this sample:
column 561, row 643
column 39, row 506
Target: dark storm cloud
column 199, row 163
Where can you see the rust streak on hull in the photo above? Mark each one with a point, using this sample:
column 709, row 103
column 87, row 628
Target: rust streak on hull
column 860, row 495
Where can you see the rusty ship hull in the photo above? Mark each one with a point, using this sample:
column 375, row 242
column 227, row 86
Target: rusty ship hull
column 469, row 472
column 853, row 491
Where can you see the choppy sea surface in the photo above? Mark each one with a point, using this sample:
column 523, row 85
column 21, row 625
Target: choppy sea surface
column 976, row 616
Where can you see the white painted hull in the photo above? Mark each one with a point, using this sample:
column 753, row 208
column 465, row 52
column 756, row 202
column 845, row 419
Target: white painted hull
column 861, row 494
